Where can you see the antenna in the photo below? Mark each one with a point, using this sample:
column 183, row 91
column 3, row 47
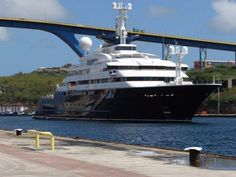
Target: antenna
column 180, row 53
column 120, row 26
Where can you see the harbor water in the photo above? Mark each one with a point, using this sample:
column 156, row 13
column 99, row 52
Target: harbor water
column 215, row 135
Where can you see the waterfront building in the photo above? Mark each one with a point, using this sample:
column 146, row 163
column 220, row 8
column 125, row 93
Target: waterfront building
column 213, row 63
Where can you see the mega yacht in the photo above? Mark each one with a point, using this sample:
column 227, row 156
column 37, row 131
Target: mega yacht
column 117, row 82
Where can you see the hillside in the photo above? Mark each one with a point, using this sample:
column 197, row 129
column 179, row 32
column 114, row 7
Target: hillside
column 227, row 96
column 28, row 88
column 221, row 73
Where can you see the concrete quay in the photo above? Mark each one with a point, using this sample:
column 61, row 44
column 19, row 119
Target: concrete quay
column 86, row 158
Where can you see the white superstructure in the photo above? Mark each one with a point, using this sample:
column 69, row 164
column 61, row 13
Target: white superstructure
column 122, row 66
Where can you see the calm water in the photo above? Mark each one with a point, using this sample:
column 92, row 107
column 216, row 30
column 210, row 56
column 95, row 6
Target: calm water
column 215, row 135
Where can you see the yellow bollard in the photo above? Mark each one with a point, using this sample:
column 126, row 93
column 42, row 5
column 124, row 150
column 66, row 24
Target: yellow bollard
column 37, row 143
column 52, row 143
column 47, row 134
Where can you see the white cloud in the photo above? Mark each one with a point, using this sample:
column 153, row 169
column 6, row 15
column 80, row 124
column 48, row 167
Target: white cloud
column 33, row 9
column 225, row 15
column 41, row 9
column 157, row 11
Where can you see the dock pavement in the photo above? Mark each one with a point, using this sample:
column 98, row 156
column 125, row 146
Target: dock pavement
column 87, row 158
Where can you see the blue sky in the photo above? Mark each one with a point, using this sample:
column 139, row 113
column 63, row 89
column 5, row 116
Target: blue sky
column 26, row 50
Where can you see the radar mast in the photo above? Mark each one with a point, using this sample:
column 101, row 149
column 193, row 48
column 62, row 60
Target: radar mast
column 120, row 20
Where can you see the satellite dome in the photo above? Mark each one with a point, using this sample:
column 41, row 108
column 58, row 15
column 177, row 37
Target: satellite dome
column 85, row 43
column 185, row 50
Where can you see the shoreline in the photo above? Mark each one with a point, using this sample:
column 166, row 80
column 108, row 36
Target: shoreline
column 216, row 115
column 64, row 138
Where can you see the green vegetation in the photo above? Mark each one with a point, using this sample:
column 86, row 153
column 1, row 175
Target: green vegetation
column 227, row 96
column 28, row 88
column 220, row 73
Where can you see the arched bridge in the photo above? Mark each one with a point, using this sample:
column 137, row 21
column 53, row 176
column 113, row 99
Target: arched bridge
column 67, row 32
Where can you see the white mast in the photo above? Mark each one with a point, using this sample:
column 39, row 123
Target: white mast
column 120, row 25
column 180, row 53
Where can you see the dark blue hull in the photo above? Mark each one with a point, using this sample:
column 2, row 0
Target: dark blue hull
column 170, row 103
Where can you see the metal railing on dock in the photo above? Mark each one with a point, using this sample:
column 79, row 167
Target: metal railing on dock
column 45, row 134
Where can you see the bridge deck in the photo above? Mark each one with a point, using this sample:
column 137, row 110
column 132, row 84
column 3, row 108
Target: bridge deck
column 89, row 30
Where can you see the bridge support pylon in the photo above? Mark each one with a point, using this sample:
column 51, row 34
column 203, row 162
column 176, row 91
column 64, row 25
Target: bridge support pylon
column 165, row 52
column 70, row 39
column 203, row 57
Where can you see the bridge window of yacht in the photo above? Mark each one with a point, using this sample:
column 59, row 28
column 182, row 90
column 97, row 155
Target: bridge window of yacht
column 166, row 79
column 125, row 48
column 122, row 79
column 144, row 67
column 83, row 82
